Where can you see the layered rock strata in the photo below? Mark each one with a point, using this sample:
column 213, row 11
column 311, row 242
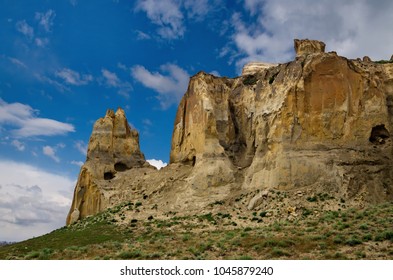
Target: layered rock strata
column 320, row 124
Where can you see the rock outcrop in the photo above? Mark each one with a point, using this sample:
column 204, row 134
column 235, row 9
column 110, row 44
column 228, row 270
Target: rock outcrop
column 320, row 124
column 113, row 148
column 254, row 67
column 306, row 47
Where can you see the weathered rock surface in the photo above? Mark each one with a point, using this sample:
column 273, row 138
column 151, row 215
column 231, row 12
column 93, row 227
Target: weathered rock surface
column 318, row 125
column 306, row 47
column 113, row 148
column 253, row 67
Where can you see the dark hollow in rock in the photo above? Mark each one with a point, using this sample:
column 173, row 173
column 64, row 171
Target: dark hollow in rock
column 108, row 175
column 121, row 167
column 379, row 134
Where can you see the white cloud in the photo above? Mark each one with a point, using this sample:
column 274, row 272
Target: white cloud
column 157, row 163
column 352, row 28
column 50, row 152
column 197, row 9
column 41, row 42
column 18, row 145
column 72, row 77
column 215, row 73
column 81, row 147
column 171, row 15
column 166, row 14
column 142, row 35
column 17, row 62
column 111, row 80
column 170, row 87
column 46, row 19
column 147, row 122
column 25, row 29
column 77, row 163
column 32, row 201
column 28, row 124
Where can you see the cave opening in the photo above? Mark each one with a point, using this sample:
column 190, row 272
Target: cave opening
column 121, row 167
column 109, row 175
column 379, row 134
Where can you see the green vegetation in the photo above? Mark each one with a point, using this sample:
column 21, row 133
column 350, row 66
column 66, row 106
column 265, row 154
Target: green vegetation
column 346, row 234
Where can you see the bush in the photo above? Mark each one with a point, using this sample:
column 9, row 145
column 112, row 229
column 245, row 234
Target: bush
column 353, row 241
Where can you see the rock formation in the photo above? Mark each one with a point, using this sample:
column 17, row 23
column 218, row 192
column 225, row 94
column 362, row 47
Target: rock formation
column 306, row 47
column 113, row 148
column 253, row 67
column 320, row 124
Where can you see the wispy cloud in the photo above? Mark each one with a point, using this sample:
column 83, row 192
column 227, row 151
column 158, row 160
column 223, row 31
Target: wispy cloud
column 142, row 35
column 81, row 147
column 25, row 29
column 170, row 16
column 46, row 19
column 77, row 163
column 50, row 152
column 111, row 80
column 170, row 86
column 166, row 14
column 74, row 78
column 17, row 62
column 27, row 124
column 18, row 145
column 41, row 42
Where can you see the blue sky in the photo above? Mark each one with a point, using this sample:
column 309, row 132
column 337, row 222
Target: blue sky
column 64, row 62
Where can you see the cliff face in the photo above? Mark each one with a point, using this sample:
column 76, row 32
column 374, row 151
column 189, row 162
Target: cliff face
column 319, row 124
column 113, row 148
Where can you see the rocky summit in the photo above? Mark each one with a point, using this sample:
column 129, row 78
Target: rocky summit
column 317, row 129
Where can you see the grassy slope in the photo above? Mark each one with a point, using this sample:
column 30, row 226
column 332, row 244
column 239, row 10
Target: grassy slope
column 349, row 234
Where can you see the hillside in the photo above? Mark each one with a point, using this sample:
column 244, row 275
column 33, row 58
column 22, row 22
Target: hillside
column 217, row 234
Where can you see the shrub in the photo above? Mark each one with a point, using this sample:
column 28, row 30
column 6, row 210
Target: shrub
column 353, row 241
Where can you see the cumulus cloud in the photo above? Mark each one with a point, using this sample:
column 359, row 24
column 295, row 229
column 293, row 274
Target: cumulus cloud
column 352, row 28
column 46, row 19
column 28, row 124
column 74, row 78
column 25, row 29
column 18, row 145
column 170, row 86
column 157, row 163
column 50, row 152
column 111, row 80
column 32, row 201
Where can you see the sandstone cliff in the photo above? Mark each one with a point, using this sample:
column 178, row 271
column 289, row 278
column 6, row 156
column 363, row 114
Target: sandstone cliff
column 113, row 148
column 320, row 124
